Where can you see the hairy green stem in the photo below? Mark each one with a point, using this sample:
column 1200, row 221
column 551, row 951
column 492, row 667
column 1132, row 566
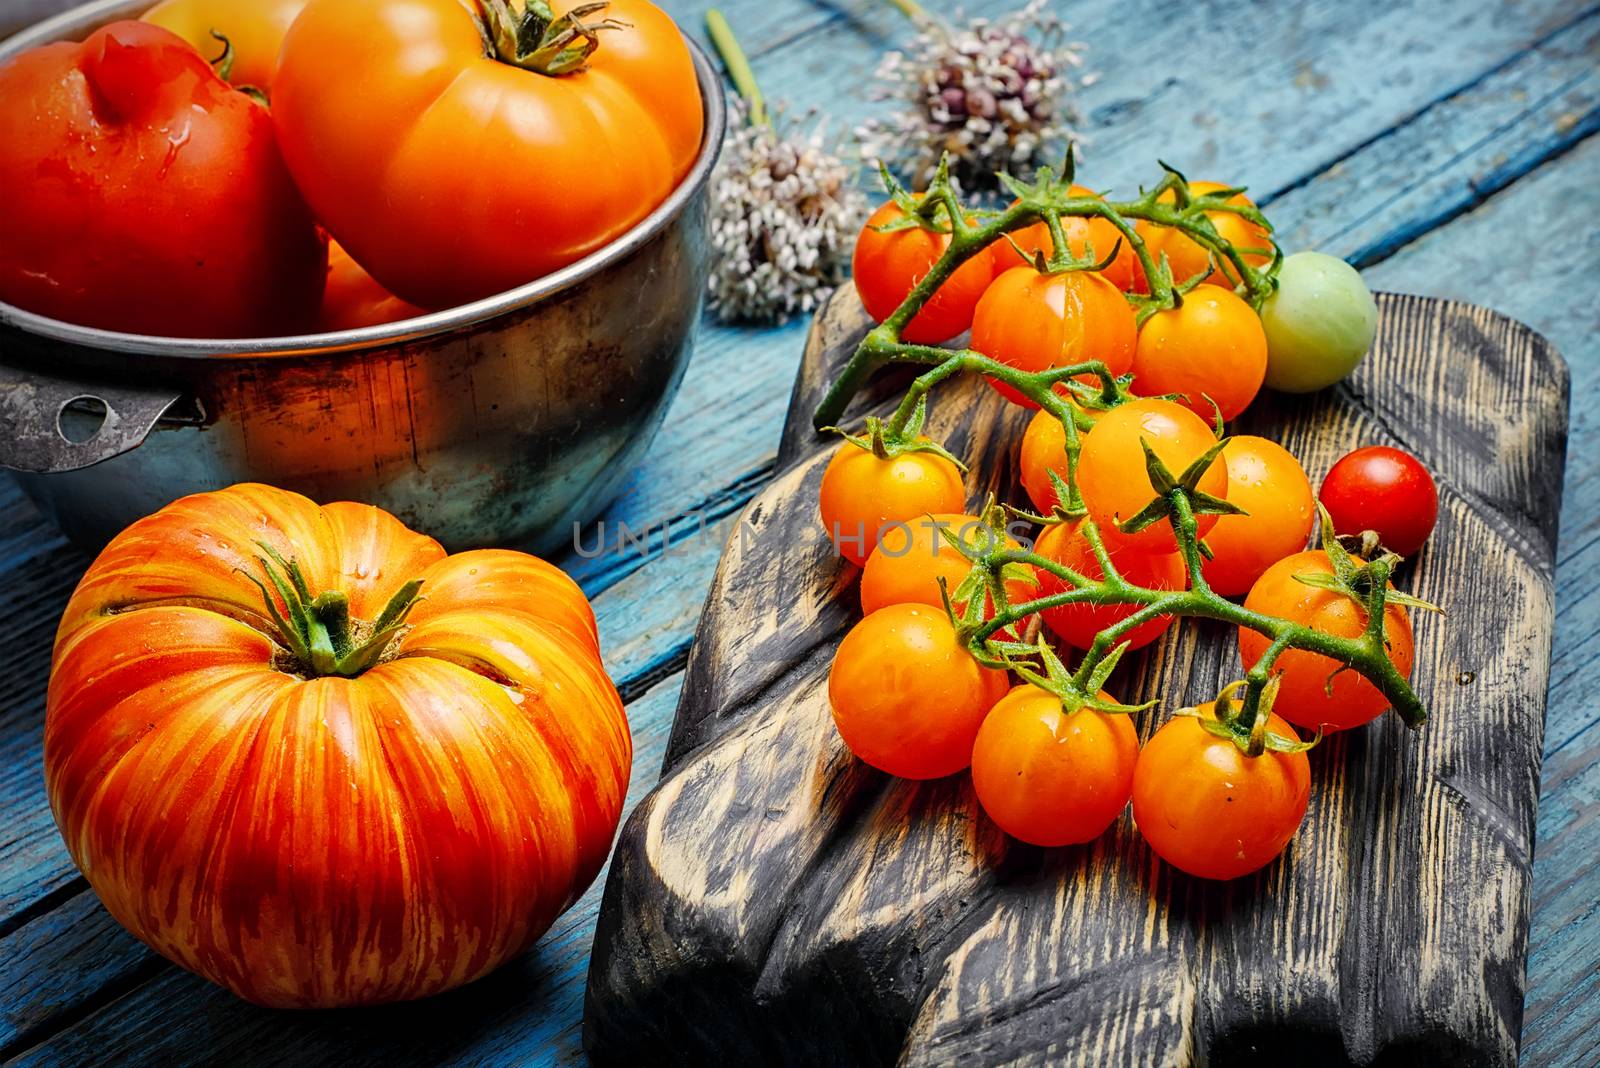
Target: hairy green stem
column 883, row 344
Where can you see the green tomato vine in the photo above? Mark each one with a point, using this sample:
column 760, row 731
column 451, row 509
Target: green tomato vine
column 1177, row 500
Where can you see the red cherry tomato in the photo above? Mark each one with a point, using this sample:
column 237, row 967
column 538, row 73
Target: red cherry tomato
column 1077, row 624
column 887, row 266
column 1385, row 490
column 1034, row 321
column 907, row 696
column 1207, row 808
column 1050, row 778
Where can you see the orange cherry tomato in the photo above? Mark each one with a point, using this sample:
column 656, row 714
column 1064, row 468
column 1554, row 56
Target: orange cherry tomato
column 910, row 559
column 353, row 298
column 1315, row 692
column 1077, row 624
column 1271, row 486
column 907, row 697
column 1044, row 449
column 862, row 496
column 451, row 174
column 1211, row 348
column 1034, row 321
column 1050, row 778
column 254, row 28
column 1083, row 236
column 340, row 830
column 1210, row 810
column 1112, row 475
column 888, row 266
column 1189, row 258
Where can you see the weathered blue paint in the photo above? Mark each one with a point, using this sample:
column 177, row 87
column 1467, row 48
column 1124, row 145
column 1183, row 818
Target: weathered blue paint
column 1428, row 140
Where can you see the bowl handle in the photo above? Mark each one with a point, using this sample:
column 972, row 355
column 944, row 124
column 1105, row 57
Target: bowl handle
column 33, row 404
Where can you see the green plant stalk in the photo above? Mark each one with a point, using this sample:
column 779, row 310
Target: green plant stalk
column 738, row 64
column 1368, row 657
column 910, row 9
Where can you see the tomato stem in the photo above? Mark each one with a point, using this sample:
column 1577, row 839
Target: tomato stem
column 318, row 632
column 533, row 37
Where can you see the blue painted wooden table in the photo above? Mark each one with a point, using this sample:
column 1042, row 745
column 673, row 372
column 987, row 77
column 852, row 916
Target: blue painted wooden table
column 1445, row 147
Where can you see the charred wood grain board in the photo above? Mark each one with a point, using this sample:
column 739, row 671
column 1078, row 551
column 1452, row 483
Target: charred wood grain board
column 775, row 901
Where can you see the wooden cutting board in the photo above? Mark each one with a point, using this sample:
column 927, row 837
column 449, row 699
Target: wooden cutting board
column 774, row 901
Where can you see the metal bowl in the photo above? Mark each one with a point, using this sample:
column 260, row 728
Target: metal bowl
column 505, row 421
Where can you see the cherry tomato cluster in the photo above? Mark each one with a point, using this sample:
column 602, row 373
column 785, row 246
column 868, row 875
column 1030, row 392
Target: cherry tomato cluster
column 1145, row 512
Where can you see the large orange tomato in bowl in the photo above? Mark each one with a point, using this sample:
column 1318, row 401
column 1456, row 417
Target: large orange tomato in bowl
column 326, row 790
column 452, row 171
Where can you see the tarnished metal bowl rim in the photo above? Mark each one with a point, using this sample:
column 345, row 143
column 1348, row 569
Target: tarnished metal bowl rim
column 84, row 19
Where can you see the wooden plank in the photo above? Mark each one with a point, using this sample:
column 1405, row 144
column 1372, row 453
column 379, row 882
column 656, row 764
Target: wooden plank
column 1453, row 155
column 1560, row 1025
column 772, row 881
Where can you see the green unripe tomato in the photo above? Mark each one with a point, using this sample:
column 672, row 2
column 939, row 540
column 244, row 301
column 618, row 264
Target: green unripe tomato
column 1319, row 323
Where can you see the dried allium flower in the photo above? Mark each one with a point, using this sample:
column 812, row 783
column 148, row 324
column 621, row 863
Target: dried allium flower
column 995, row 94
column 784, row 218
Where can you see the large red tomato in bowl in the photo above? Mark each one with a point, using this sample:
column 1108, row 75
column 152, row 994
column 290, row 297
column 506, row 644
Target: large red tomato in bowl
column 140, row 192
column 319, row 814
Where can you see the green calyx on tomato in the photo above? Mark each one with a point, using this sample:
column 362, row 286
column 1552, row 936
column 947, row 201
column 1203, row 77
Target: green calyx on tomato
column 317, row 630
column 1055, row 679
column 885, row 442
column 1246, row 726
column 223, row 65
column 531, row 35
column 1364, row 581
column 983, row 590
column 1164, row 482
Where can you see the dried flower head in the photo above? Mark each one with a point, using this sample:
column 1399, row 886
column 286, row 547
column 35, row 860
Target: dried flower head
column 994, row 94
column 784, row 218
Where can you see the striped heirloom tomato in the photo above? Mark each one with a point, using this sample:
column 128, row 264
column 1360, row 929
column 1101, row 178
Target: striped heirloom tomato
column 279, row 766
